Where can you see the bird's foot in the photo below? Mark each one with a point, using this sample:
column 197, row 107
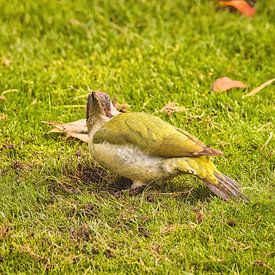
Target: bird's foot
column 136, row 188
column 136, row 191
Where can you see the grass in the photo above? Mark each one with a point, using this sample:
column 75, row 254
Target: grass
column 59, row 213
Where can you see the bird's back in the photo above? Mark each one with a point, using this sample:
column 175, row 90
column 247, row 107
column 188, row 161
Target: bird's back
column 151, row 135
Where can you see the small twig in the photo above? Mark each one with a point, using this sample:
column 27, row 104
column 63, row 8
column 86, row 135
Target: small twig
column 259, row 88
column 70, row 106
column 263, row 126
column 176, row 193
column 267, row 141
column 9, row 91
column 80, row 96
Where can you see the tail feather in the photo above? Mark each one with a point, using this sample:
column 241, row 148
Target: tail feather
column 226, row 188
column 228, row 184
column 218, row 183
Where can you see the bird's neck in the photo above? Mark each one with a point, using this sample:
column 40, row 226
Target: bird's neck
column 95, row 122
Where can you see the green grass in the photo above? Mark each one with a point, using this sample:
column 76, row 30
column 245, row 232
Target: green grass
column 57, row 213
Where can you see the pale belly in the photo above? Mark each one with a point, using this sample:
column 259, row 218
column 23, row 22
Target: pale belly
column 132, row 163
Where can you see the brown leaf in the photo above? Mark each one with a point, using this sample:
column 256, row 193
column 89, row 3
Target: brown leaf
column 82, row 137
column 242, row 6
column 171, row 108
column 76, row 129
column 2, row 98
column 223, row 84
column 78, row 126
column 121, row 107
column 259, row 88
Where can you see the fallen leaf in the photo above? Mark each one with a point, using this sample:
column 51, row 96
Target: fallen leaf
column 242, row 6
column 259, row 88
column 82, row 137
column 78, row 126
column 225, row 83
column 2, row 98
column 76, row 129
column 121, row 107
column 171, row 108
column 3, row 117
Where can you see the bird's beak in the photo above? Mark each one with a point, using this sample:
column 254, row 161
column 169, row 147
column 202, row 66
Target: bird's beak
column 89, row 105
column 95, row 95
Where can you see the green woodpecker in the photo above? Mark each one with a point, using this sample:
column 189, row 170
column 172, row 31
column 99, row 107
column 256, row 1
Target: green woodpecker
column 146, row 149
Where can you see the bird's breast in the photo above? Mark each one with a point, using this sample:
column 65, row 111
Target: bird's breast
column 130, row 162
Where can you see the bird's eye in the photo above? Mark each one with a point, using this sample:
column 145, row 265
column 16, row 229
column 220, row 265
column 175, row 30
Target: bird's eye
column 107, row 100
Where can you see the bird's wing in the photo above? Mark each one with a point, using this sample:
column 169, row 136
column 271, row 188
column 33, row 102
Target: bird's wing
column 152, row 135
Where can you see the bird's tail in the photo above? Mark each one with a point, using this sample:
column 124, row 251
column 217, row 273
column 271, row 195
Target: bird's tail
column 225, row 187
column 218, row 183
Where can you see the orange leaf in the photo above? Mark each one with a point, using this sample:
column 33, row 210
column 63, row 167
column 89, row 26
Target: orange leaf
column 242, row 6
column 225, row 83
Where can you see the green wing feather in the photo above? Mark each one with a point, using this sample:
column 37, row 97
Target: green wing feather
column 152, row 135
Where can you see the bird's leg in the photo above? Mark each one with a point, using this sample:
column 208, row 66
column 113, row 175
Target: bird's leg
column 161, row 183
column 136, row 188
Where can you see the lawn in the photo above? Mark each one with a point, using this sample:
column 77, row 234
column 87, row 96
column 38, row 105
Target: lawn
column 59, row 212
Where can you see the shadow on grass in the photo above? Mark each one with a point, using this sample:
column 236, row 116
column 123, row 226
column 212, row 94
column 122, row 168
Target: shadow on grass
column 88, row 177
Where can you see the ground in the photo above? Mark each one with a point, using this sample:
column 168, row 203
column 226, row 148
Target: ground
column 61, row 213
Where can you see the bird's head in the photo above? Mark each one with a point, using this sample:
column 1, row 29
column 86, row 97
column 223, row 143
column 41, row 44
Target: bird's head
column 99, row 109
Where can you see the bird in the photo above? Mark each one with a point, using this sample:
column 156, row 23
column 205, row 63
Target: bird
column 146, row 149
